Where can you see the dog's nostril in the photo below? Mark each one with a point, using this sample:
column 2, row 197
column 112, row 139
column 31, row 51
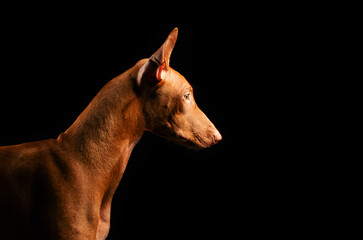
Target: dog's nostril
column 217, row 136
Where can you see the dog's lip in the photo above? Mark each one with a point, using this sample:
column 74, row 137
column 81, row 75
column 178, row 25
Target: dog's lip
column 196, row 145
column 189, row 144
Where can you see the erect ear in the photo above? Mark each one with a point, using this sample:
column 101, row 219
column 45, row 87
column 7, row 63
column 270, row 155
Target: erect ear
column 163, row 54
column 154, row 70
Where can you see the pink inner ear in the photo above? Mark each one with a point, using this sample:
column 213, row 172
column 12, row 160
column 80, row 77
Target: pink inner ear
column 160, row 73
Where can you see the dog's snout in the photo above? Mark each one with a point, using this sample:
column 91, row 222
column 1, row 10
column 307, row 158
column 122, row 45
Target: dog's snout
column 217, row 136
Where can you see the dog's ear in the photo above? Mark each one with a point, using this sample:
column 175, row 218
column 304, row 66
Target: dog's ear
column 154, row 70
column 162, row 55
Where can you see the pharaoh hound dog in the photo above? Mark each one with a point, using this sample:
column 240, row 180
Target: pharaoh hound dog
column 62, row 188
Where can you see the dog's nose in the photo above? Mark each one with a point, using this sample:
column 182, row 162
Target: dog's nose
column 217, row 136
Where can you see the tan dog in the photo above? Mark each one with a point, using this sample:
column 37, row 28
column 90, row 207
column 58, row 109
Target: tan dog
column 62, row 188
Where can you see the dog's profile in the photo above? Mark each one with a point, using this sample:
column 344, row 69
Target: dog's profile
column 62, row 188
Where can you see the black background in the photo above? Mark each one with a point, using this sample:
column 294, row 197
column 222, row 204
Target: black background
column 54, row 62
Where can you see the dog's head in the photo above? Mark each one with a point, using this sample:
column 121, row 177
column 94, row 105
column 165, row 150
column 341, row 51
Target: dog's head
column 169, row 106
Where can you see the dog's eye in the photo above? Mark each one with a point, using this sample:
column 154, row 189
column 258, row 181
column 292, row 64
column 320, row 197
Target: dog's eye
column 187, row 97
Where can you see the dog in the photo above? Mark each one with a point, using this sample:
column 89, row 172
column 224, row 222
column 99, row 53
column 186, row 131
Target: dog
column 62, row 188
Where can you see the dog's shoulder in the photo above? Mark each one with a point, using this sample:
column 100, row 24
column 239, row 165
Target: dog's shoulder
column 26, row 158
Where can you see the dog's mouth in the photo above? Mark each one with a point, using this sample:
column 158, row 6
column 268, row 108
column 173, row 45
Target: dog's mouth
column 195, row 141
column 189, row 144
column 192, row 140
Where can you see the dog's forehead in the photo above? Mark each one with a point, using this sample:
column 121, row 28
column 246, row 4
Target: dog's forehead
column 178, row 80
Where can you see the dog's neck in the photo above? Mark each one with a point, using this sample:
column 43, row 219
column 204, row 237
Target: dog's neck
column 106, row 132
